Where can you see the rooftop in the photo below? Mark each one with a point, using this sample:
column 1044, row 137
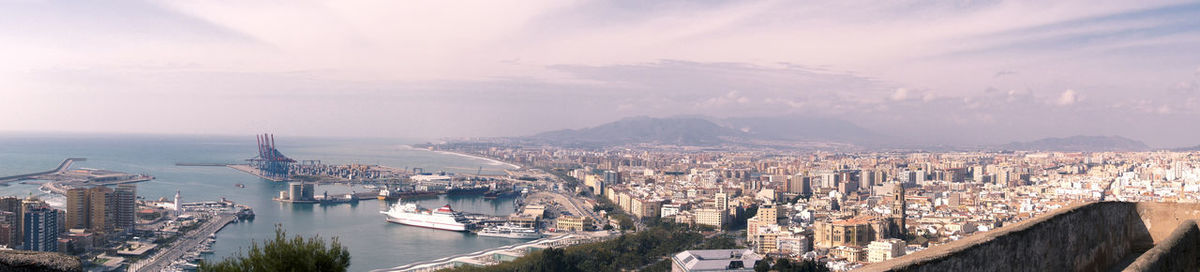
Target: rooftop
column 717, row 260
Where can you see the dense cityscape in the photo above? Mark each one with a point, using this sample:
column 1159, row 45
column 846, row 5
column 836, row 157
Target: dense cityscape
column 849, row 209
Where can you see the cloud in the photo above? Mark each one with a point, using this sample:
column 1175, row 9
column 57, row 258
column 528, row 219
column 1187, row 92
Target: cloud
column 899, row 95
column 1067, row 98
column 549, row 64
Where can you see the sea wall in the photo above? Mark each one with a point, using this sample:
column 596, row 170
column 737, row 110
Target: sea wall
column 22, row 261
column 1102, row 236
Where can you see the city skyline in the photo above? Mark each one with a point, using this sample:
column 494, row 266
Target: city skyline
column 961, row 73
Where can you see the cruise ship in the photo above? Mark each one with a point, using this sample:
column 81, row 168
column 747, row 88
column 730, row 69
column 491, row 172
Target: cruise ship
column 443, row 218
column 510, row 231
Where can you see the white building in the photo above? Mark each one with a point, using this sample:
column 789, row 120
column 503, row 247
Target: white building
column 885, row 249
column 741, row 260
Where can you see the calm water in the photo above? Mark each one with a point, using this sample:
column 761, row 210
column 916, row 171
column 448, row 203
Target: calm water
column 372, row 242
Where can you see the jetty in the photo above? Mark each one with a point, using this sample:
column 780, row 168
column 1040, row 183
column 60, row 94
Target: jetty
column 66, row 164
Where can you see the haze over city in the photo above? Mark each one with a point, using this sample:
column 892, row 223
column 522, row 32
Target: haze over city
column 963, row 72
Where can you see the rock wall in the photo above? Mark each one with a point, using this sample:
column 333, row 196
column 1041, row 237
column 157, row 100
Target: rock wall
column 22, row 261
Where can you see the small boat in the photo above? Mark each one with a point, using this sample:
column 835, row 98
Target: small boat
column 239, row 185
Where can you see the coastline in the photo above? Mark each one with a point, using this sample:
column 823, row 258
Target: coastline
column 491, row 160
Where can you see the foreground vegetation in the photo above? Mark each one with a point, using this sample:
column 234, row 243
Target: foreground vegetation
column 284, row 254
column 626, row 252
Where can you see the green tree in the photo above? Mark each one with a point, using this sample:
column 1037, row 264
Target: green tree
column 763, row 265
column 284, row 254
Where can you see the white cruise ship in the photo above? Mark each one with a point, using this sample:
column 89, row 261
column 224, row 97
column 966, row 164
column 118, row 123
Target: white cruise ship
column 410, row 214
column 510, row 231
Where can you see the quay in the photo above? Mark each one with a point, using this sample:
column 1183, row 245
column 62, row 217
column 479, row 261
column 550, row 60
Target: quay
column 66, row 164
column 501, row 254
column 251, row 170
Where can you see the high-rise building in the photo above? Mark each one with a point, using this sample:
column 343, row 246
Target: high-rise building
column 13, row 205
column 77, row 208
column 722, row 200
column 126, row 207
column 9, row 229
column 93, row 209
column 41, row 226
column 799, row 184
column 612, row 177
column 100, row 216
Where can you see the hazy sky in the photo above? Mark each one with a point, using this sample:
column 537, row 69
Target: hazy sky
column 942, row 71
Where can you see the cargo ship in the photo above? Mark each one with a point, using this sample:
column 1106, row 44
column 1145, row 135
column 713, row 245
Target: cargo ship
column 411, row 214
column 510, row 231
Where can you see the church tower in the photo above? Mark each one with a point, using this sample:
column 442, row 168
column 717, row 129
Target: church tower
column 898, row 210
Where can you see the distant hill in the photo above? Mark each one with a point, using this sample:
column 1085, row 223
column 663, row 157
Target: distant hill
column 678, row 131
column 707, row 131
column 1079, row 144
column 1187, row 149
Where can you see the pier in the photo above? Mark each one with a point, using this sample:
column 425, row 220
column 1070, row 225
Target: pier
column 66, row 164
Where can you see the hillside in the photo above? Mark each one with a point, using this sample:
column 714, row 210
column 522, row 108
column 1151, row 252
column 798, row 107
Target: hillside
column 1079, row 144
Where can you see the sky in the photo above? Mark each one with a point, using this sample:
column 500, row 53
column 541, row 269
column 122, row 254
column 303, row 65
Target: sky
column 948, row 72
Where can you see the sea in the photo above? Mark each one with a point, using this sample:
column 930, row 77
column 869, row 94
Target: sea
column 372, row 242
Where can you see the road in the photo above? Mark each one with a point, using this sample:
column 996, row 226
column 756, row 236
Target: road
column 186, row 243
column 579, row 207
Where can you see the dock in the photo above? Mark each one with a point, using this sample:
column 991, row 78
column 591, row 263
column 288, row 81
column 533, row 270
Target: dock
column 249, row 169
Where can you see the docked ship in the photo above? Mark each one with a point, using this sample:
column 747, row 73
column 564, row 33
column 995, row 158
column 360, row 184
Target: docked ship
column 418, row 194
column 467, row 190
column 411, row 214
column 386, row 194
column 510, row 231
column 494, row 194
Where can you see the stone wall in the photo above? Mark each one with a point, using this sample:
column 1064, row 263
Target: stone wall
column 1103, row 236
column 1178, row 252
column 1088, row 237
column 22, row 261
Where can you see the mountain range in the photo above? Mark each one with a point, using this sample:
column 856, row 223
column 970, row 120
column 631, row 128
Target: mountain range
column 708, row 131
column 780, row 130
